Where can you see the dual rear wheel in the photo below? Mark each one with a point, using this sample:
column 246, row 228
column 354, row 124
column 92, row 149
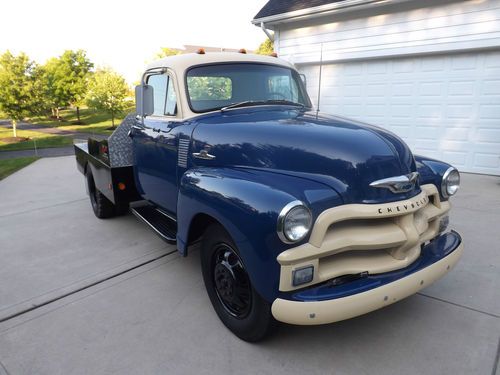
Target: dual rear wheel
column 102, row 206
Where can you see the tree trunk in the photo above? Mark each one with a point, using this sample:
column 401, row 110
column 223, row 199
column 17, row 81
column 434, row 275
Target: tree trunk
column 57, row 113
column 53, row 112
column 14, row 128
column 78, row 114
column 113, row 119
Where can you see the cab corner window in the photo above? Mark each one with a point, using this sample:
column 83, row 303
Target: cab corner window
column 165, row 99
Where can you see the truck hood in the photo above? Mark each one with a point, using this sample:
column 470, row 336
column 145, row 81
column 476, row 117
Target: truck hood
column 343, row 154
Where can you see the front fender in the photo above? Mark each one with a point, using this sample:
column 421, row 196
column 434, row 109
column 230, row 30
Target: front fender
column 431, row 172
column 247, row 203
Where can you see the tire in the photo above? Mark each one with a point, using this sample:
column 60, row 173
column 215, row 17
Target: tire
column 242, row 310
column 102, row 206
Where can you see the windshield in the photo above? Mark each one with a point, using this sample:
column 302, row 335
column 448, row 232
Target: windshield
column 212, row 87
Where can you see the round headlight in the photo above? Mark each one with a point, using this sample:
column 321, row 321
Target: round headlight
column 294, row 222
column 450, row 183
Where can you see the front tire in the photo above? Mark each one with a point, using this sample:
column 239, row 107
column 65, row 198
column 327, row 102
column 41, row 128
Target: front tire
column 242, row 310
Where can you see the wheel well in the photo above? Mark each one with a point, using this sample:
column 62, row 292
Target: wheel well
column 198, row 225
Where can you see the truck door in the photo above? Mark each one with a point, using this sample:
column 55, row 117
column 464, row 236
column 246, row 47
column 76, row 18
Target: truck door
column 155, row 147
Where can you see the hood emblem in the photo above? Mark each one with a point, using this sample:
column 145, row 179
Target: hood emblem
column 397, row 184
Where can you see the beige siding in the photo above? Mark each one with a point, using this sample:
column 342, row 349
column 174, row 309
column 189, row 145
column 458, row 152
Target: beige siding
column 459, row 26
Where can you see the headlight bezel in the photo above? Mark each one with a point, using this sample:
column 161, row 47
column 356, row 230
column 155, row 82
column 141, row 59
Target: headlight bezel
column 444, row 182
column 280, row 227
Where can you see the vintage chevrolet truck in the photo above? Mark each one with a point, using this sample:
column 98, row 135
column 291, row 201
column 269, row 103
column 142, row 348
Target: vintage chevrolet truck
column 302, row 217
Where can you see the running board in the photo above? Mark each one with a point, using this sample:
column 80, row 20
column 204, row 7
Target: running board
column 161, row 223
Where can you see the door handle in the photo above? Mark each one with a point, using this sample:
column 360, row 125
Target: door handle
column 132, row 129
column 203, row 154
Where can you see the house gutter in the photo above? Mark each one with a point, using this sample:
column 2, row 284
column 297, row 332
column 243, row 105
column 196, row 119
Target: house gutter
column 269, row 35
column 322, row 10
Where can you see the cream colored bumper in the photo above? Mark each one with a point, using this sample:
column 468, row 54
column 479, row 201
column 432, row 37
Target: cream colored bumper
column 321, row 312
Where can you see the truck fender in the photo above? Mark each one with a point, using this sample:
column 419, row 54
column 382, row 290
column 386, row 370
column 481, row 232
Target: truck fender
column 431, row 171
column 247, row 204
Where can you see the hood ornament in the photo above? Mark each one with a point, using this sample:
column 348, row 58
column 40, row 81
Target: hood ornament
column 397, row 184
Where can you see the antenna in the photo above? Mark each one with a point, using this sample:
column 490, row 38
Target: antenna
column 320, row 71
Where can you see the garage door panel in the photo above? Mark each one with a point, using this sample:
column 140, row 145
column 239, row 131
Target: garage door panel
column 487, row 161
column 445, row 106
column 489, row 111
column 458, row 159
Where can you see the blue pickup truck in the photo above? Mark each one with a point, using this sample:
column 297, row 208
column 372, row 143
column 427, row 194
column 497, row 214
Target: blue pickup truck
column 302, row 217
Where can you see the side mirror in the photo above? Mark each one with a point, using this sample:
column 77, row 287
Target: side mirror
column 144, row 103
column 303, row 78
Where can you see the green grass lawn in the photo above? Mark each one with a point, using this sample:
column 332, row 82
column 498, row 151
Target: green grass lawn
column 9, row 166
column 93, row 121
column 42, row 140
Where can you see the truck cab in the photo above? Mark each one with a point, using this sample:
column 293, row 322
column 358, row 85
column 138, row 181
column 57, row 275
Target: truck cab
column 304, row 218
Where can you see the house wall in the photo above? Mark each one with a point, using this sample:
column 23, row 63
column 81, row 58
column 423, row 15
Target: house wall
column 393, row 31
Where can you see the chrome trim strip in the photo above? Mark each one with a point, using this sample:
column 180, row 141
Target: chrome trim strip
column 397, row 184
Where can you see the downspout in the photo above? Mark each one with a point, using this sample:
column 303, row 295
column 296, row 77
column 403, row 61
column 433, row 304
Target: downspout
column 268, row 34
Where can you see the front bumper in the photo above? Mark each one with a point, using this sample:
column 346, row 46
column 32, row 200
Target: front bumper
column 328, row 304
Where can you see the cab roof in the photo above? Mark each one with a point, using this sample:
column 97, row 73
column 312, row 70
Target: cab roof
column 182, row 62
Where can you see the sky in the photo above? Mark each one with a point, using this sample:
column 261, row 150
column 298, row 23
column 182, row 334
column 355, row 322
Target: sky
column 125, row 35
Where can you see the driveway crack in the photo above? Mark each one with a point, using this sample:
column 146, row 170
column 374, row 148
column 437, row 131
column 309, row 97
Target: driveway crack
column 2, row 367
column 497, row 357
column 459, row 305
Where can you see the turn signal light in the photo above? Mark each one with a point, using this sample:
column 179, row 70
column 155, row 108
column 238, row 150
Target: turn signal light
column 121, row 186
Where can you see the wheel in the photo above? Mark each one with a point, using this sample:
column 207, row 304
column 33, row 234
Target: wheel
column 102, row 206
column 233, row 297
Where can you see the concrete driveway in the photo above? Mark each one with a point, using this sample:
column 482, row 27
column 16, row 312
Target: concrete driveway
column 80, row 295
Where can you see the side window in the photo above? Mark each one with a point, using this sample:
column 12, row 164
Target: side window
column 171, row 106
column 283, row 87
column 165, row 99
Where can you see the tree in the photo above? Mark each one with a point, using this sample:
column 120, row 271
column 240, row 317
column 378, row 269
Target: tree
column 67, row 79
column 108, row 92
column 165, row 52
column 265, row 48
column 19, row 87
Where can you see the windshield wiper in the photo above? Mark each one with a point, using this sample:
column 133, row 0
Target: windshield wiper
column 249, row 103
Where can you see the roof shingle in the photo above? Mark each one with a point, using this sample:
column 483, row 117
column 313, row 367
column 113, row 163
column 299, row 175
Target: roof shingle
column 274, row 7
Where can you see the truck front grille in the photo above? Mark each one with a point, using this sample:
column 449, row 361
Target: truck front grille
column 373, row 238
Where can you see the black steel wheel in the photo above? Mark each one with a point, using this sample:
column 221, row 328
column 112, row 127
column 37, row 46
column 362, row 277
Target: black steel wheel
column 102, row 206
column 231, row 281
column 228, row 285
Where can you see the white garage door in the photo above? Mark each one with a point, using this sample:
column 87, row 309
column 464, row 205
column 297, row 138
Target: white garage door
column 444, row 106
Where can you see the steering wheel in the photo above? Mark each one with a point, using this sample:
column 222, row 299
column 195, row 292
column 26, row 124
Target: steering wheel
column 278, row 94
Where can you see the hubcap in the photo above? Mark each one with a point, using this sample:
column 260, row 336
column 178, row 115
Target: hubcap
column 231, row 282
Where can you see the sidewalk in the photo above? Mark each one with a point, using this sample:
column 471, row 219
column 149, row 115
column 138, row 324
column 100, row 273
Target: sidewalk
column 45, row 152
